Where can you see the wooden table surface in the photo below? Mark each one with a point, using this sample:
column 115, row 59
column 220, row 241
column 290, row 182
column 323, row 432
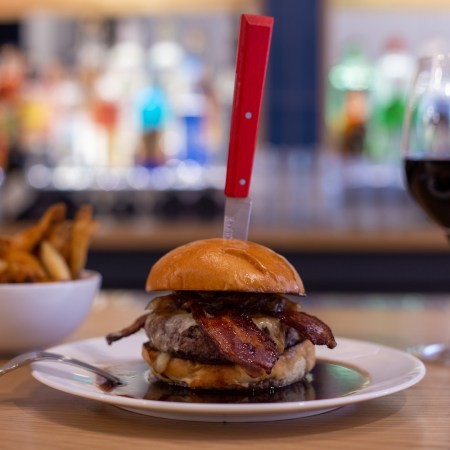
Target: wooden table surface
column 34, row 416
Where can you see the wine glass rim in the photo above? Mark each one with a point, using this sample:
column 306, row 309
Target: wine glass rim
column 435, row 57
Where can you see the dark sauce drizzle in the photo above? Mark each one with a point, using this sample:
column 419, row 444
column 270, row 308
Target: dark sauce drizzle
column 327, row 380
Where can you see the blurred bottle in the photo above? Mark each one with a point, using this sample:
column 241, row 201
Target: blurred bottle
column 105, row 115
column 347, row 101
column 36, row 116
column 393, row 75
column 12, row 75
column 154, row 112
column 69, row 136
column 179, row 110
column 192, row 105
column 159, row 126
column 41, row 115
column 100, row 109
column 123, row 77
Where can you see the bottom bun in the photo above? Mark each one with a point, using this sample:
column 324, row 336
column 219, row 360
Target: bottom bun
column 291, row 367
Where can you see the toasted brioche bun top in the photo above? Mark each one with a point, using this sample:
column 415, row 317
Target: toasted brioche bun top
column 224, row 265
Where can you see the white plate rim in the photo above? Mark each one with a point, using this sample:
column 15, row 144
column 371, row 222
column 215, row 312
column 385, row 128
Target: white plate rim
column 347, row 355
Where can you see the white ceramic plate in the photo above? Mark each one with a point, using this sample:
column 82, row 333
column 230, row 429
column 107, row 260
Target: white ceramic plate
column 388, row 371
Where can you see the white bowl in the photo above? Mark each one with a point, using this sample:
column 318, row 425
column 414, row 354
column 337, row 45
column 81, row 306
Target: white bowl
column 36, row 315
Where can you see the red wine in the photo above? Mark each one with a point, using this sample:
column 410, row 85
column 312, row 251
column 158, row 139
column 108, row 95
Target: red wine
column 429, row 183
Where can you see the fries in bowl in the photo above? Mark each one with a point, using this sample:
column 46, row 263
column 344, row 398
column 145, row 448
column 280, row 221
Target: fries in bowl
column 53, row 249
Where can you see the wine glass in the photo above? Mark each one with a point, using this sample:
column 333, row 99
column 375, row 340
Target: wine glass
column 426, row 156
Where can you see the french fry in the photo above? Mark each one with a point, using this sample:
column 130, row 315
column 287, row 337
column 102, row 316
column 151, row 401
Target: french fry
column 3, row 271
column 5, row 245
column 23, row 267
column 53, row 262
column 59, row 237
column 55, row 249
column 3, row 266
column 28, row 239
column 82, row 229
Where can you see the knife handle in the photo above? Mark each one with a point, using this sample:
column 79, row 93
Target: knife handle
column 251, row 66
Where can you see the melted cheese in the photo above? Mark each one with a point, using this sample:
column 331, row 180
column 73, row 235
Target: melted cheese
column 180, row 322
column 162, row 360
column 274, row 328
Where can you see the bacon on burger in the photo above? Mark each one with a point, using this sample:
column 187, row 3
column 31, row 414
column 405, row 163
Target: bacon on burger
column 227, row 321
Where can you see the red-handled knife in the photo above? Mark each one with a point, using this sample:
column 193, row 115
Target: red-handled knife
column 251, row 66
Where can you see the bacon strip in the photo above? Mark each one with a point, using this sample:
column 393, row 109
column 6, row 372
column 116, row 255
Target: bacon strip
column 239, row 339
column 127, row 331
column 309, row 327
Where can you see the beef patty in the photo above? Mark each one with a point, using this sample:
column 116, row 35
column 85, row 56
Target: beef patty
column 171, row 328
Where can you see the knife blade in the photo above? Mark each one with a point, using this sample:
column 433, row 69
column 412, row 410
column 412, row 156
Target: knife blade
column 251, row 66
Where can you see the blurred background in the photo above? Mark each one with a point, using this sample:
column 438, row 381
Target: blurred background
column 126, row 105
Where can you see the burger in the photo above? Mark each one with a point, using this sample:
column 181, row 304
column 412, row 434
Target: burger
column 225, row 318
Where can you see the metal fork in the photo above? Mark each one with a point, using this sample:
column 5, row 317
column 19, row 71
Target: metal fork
column 27, row 358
